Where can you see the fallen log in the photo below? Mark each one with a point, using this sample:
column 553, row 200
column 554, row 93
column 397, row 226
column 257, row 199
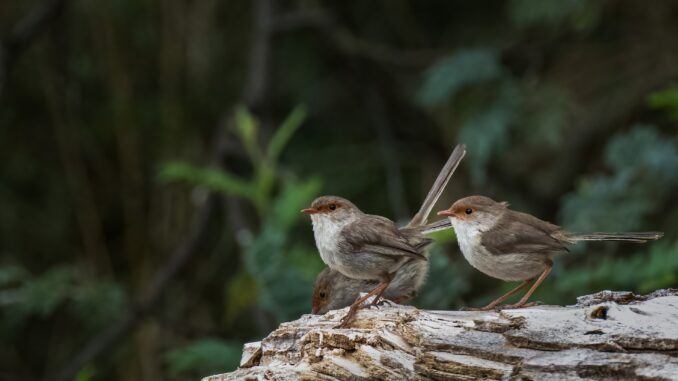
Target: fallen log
column 607, row 335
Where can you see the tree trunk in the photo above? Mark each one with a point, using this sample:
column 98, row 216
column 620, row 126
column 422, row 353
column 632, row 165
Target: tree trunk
column 608, row 335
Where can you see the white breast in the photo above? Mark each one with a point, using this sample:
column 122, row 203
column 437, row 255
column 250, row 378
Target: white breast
column 468, row 237
column 326, row 235
column 506, row 266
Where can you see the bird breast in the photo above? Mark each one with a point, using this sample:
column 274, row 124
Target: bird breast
column 327, row 235
column 505, row 266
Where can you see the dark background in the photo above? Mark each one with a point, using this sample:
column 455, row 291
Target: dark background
column 154, row 156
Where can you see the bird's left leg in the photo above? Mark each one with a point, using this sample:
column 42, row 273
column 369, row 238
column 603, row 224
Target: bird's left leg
column 387, row 281
column 522, row 302
column 381, row 287
column 500, row 299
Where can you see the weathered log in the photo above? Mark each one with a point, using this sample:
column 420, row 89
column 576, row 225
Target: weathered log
column 608, row 335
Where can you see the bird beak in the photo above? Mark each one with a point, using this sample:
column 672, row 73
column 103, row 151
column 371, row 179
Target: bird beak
column 447, row 213
column 309, row 211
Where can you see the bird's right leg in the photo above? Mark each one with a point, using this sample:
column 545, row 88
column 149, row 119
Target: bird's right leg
column 389, row 278
column 501, row 299
column 523, row 301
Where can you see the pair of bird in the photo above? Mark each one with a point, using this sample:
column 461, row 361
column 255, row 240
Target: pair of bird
column 368, row 253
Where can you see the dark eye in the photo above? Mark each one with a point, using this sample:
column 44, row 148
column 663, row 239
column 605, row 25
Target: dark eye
column 322, row 294
column 468, row 211
column 333, row 206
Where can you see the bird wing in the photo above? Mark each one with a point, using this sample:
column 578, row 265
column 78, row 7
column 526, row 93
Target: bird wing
column 378, row 235
column 518, row 232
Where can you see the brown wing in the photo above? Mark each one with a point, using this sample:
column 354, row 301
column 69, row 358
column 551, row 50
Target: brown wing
column 378, row 235
column 523, row 233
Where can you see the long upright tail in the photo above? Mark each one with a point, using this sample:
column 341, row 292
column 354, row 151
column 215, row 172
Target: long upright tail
column 438, row 186
column 639, row 237
column 434, row 226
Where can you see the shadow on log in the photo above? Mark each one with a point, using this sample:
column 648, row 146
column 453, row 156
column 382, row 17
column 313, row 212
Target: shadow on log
column 608, row 335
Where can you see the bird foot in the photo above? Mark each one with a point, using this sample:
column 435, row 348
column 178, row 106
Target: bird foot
column 382, row 302
column 345, row 322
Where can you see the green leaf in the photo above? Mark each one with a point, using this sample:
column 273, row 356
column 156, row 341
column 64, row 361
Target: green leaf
column 285, row 132
column 241, row 293
column 666, row 100
column 449, row 75
column 293, row 197
column 43, row 294
column 87, row 373
column 265, row 180
column 205, row 356
column 247, row 129
column 581, row 14
column 98, row 302
column 644, row 163
column 212, row 179
column 486, row 131
column 12, row 274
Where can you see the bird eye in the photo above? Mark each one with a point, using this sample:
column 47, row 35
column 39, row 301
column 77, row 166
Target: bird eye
column 333, row 206
column 322, row 295
column 468, row 211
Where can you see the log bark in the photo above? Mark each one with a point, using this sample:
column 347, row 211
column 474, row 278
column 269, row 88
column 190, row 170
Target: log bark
column 605, row 336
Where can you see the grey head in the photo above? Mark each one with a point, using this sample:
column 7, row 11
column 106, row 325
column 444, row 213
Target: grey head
column 478, row 211
column 333, row 208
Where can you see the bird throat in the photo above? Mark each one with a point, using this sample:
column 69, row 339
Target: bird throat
column 327, row 236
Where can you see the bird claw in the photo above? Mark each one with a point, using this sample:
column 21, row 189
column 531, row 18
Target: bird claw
column 382, row 302
column 345, row 322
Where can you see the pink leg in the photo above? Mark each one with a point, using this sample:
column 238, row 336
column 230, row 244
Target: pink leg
column 523, row 300
column 502, row 298
column 358, row 302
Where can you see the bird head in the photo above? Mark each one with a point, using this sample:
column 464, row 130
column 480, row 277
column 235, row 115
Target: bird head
column 322, row 291
column 332, row 208
column 474, row 210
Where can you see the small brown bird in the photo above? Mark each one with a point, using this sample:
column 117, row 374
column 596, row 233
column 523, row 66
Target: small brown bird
column 515, row 246
column 367, row 247
column 333, row 290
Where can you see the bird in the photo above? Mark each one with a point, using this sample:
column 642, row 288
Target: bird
column 515, row 246
column 368, row 248
column 333, row 290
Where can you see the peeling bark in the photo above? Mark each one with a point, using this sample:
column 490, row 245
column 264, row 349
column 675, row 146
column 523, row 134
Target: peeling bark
column 605, row 336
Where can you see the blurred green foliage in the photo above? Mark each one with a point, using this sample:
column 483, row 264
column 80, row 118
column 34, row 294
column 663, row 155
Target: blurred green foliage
column 209, row 355
column 667, row 100
column 644, row 163
column 27, row 296
column 278, row 272
column 108, row 121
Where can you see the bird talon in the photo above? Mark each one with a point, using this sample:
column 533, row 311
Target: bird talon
column 382, row 302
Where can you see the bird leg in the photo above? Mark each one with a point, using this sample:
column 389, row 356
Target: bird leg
column 523, row 300
column 389, row 278
column 378, row 291
column 501, row 299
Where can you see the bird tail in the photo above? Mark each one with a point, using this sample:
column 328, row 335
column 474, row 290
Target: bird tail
column 438, row 186
column 434, row 226
column 639, row 237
